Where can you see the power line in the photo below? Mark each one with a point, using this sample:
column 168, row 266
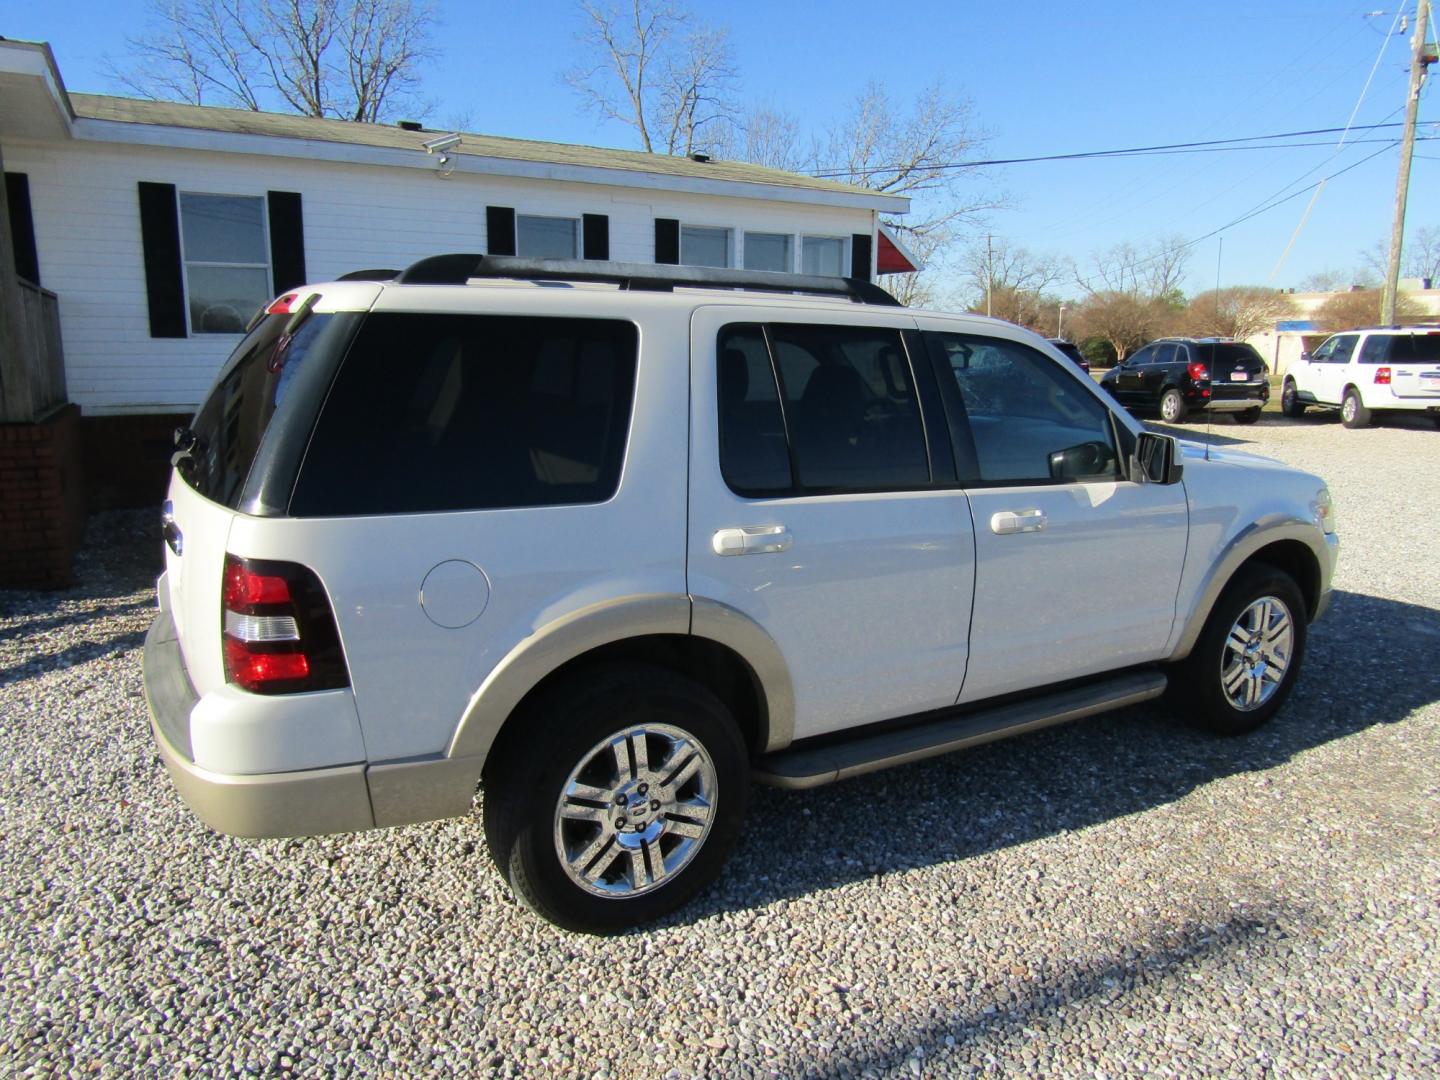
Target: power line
column 1132, row 151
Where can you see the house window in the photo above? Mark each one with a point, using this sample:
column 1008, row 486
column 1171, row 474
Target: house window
column 703, row 245
column 546, row 237
column 769, row 251
column 227, row 260
column 823, row 255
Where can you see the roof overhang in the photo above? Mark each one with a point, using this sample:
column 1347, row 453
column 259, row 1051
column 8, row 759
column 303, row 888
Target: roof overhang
column 33, row 101
column 893, row 257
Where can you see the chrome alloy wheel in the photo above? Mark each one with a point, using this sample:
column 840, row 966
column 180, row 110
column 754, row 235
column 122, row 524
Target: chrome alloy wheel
column 1348, row 408
column 635, row 811
column 1170, row 408
column 1257, row 653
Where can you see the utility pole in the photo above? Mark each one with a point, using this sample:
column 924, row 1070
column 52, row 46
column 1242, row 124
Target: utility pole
column 1419, row 61
column 990, row 268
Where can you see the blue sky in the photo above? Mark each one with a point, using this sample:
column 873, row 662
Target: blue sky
column 1044, row 78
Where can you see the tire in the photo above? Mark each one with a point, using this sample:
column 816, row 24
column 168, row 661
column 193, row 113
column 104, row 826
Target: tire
column 1290, row 403
column 1247, row 416
column 1173, row 409
column 1228, row 689
column 667, row 846
column 1353, row 413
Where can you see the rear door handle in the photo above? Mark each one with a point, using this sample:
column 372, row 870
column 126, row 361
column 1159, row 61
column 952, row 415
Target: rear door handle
column 1017, row 521
column 756, row 540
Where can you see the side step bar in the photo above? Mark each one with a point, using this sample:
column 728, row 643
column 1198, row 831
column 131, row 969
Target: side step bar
column 803, row 767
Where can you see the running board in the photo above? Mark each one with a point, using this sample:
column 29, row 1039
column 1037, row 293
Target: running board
column 803, row 767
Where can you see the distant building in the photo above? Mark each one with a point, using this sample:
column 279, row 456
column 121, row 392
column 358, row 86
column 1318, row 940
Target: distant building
column 1290, row 337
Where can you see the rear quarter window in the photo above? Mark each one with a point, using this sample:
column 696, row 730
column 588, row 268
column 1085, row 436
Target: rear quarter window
column 469, row 412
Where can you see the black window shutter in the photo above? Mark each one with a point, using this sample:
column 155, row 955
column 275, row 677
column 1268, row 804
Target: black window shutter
column 160, row 238
column 667, row 241
column 500, row 230
column 860, row 256
column 287, row 240
column 597, row 236
column 22, row 226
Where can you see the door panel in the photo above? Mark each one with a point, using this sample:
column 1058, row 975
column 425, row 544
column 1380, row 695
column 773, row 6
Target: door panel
column 867, row 594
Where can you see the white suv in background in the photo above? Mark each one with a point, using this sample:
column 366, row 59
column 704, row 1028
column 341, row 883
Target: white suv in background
column 1361, row 372
column 610, row 541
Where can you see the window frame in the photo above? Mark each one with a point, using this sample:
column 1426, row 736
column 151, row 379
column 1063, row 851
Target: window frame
column 728, row 230
column 939, row 462
column 1122, row 440
column 576, row 238
column 186, row 262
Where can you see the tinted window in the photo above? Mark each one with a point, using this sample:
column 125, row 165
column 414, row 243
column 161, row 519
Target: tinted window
column 467, row 412
column 850, row 403
column 1164, row 354
column 1344, row 346
column 1018, row 410
column 754, row 457
column 247, row 396
column 1374, row 350
column 1415, row 349
column 1227, row 354
column 1144, row 356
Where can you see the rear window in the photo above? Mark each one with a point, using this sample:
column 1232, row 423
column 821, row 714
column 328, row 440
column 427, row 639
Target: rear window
column 252, row 389
column 1229, row 353
column 469, row 412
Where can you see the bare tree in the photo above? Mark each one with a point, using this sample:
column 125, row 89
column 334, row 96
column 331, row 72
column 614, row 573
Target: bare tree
column 1154, row 271
column 1122, row 320
column 1015, row 279
column 1361, row 307
column 652, row 66
column 1326, row 281
column 342, row 59
column 1422, row 255
column 1240, row 311
column 766, row 136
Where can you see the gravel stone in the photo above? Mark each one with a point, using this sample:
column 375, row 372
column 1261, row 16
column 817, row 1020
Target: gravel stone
column 1119, row 897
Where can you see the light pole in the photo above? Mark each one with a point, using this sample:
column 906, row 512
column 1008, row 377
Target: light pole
column 1060, row 323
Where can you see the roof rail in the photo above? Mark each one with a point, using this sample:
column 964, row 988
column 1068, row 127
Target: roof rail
column 458, row 269
column 369, row 275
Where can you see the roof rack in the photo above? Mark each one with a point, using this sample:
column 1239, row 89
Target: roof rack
column 369, row 275
column 458, row 269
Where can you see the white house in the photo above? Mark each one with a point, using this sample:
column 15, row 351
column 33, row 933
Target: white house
column 160, row 227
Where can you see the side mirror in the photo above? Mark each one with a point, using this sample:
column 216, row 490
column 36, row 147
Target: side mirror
column 1306, row 358
column 1157, row 460
column 1087, row 459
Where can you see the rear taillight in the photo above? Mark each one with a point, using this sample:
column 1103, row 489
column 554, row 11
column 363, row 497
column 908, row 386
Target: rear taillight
column 279, row 630
column 1198, row 371
column 1382, row 376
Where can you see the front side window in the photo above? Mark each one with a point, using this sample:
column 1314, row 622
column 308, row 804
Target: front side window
column 546, row 237
column 769, row 251
column 1143, row 357
column 227, row 260
column 823, row 255
column 1020, row 417
column 470, row 412
column 704, row 245
column 1343, row 349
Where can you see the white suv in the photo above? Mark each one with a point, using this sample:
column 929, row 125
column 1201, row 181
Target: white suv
column 1360, row 372
column 611, row 541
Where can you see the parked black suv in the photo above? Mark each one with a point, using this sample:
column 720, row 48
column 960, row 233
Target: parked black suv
column 1070, row 349
column 1176, row 375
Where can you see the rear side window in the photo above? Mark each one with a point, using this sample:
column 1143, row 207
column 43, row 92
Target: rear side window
column 1415, row 349
column 251, row 391
column 1375, row 350
column 754, row 455
column 471, row 412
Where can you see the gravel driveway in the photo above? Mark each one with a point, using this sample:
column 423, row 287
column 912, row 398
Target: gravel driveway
column 1115, row 897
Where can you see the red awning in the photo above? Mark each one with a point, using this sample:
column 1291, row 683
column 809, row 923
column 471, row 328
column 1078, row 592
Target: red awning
column 890, row 258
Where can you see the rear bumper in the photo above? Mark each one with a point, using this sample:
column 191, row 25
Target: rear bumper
column 1232, row 404
column 309, row 802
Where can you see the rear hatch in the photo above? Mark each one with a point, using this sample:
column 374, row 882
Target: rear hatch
column 1414, row 361
column 240, row 453
column 1236, row 370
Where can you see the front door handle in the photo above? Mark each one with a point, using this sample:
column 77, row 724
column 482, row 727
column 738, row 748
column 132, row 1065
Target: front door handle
column 756, row 540
column 1017, row 521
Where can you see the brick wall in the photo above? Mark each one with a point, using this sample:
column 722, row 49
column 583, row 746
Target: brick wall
column 42, row 501
column 127, row 458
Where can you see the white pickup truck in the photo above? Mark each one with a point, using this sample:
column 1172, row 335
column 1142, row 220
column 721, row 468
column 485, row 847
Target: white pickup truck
column 1361, row 372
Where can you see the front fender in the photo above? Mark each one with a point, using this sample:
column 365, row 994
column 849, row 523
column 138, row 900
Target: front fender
column 1239, row 550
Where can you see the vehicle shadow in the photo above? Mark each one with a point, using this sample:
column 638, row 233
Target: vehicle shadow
column 1031, row 787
